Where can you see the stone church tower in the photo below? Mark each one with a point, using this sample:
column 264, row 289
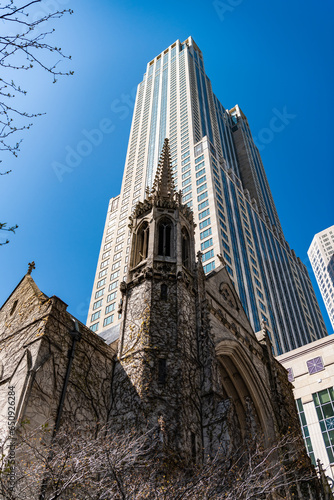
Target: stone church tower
column 159, row 354
column 185, row 363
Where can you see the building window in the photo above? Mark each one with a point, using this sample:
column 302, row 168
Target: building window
column 200, row 173
column 95, row 327
column 110, row 308
column 209, row 267
column 315, row 365
column 96, row 315
column 111, row 296
column 204, row 214
column 116, row 265
column 203, row 205
column 200, row 165
column 205, row 233
column 202, row 196
column 113, row 285
column 305, row 431
column 117, row 256
column 97, row 304
column 105, row 263
column 227, row 258
column 114, row 275
column 206, row 244
column 108, row 320
column 204, row 223
column 165, row 237
column 163, row 292
column 186, row 197
column 185, row 248
column 208, row 255
column 162, row 371
column 201, row 188
column 229, row 270
column 202, row 179
column 324, row 405
column 101, row 283
column 141, row 243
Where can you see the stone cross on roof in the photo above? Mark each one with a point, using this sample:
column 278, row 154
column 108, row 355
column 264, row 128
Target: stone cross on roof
column 31, row 267
column 163, row 186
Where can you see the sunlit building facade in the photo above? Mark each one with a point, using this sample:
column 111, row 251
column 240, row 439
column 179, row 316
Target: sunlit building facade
column 311, row 371
column 321, row 255
column 219, row 170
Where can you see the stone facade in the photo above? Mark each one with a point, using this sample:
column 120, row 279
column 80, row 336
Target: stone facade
column 41, row 347
column 186, row 364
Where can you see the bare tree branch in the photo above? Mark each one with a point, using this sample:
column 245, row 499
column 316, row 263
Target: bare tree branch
column 86, row 464
column 24, row 46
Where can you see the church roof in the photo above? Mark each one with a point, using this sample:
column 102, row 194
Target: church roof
column 41, row 297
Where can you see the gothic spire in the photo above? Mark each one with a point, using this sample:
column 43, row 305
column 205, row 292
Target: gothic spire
column 163, row 186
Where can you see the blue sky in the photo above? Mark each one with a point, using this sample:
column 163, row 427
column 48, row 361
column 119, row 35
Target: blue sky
column 268, row 57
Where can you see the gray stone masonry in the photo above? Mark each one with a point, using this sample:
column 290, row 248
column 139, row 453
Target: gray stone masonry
column 35, row 344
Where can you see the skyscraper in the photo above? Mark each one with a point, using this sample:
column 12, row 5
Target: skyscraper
column 321, row 255
column 219, row 170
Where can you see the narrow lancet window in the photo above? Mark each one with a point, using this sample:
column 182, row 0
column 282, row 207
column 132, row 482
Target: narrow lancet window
column 185, row 248
column 165, row 238
column 142, row 243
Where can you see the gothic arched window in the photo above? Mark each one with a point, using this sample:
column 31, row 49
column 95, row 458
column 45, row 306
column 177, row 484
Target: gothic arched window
column 141, row 243
column 185, row 248
column 165, row 238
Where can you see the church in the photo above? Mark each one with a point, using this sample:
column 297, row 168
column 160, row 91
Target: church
column 184, row 359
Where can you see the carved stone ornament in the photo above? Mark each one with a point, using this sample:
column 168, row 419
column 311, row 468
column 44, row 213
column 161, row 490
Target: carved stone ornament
column 227, row 295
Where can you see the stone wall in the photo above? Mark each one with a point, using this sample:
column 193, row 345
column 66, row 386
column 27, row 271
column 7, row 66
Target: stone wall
column 158, row 362
column 36, row 344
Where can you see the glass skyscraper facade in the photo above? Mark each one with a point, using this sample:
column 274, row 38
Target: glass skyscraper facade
column 219, row 170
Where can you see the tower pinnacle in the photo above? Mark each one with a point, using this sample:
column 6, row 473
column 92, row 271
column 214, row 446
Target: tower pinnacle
column 163, row 186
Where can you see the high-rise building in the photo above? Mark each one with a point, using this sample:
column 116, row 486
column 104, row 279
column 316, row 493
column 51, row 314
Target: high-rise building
column 321, row 255
column 219, row 170
column 311, row 371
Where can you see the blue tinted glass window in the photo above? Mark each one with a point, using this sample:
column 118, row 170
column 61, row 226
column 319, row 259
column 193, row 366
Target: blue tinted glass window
column 209, row 267
column 204, row 223
column 208, row 255
column 203, row 205
column 204, row 214
column 205, row 233
column 206, row 244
